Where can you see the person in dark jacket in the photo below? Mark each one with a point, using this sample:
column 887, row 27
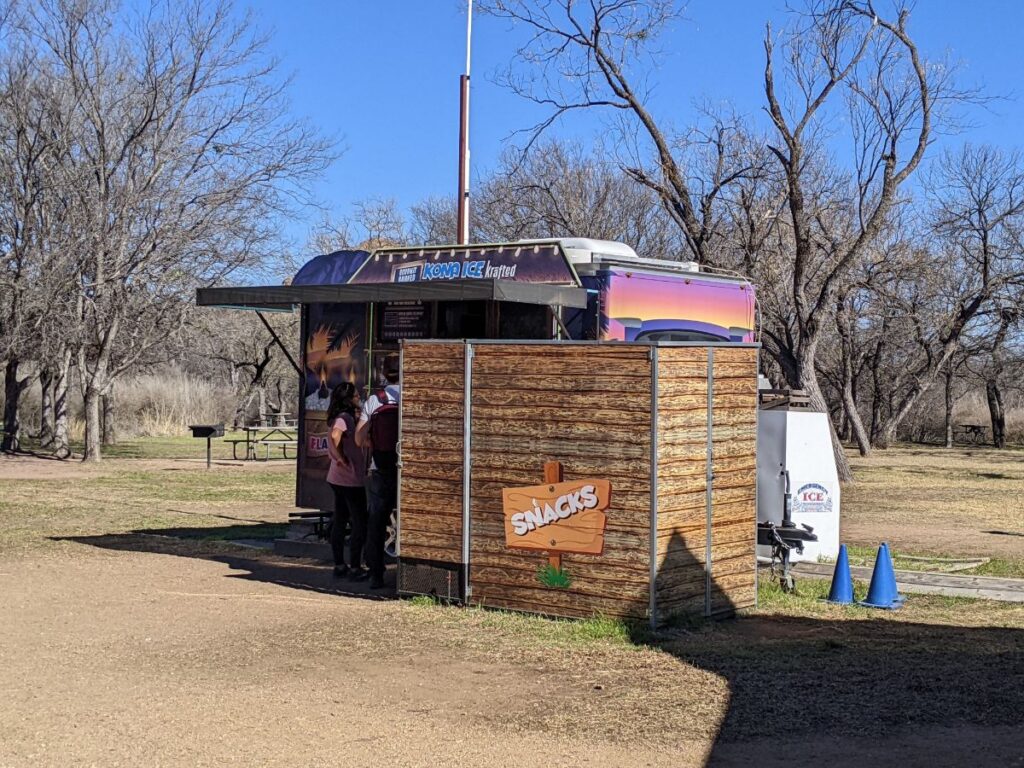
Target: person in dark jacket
column 378, row 432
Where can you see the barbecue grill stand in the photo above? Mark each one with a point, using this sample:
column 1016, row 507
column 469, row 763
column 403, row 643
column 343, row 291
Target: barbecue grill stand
column 209, row 431
column 784, row 538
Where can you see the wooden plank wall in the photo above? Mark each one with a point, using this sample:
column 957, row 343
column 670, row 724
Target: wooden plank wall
column 734, row 503
column 681, row 583
column 588, row 407
column 681, row 580
column 432, row 457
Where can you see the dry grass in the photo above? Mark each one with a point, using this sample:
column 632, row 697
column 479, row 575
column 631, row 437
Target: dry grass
column 123, row 496
column 940, row 502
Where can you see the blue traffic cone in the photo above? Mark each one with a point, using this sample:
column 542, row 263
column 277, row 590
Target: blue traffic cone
column 883, row 593
column 842, row 585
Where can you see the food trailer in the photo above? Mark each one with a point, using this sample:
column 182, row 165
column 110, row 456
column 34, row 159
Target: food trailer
column 578, row 424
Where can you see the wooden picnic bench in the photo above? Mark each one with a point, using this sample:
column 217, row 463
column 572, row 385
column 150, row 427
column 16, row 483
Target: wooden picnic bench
column 970, row 433
column 281, row 443
column 282, row 437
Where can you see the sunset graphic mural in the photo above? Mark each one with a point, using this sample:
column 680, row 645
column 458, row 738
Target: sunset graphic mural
column 640, row 305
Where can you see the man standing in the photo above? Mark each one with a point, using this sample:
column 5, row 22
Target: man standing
column 378, row 431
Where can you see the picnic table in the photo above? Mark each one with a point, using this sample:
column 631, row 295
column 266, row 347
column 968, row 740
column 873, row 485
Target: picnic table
column 970, row 433
column 257, row 436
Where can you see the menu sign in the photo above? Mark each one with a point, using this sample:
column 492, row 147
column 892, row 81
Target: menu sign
column 404, row 320
column 540, row 263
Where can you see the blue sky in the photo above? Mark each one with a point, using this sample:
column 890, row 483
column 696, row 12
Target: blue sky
column 382, row 75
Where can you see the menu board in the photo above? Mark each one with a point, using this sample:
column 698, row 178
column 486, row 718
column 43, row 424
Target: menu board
column 404, row 320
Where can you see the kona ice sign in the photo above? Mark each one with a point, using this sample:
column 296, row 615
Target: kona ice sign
column 540, row 263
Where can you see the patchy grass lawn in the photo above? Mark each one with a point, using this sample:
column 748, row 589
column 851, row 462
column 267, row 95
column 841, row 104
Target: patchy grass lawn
column 1012, row 568
column 946, row 503
column 122, row 496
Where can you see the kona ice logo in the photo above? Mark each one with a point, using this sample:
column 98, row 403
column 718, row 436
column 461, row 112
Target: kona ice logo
column 467, row 270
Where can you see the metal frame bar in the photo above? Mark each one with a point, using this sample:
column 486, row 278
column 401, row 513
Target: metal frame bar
column 467, row 431
column 273, row 335
column 757, row 411
column 653, row 554
column 709, row 483
column 486, row 289
column 398, row 490
column 556, row 312
column 602, row 343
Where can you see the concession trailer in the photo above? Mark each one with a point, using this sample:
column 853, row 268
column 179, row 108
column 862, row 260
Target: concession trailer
column 578, row 424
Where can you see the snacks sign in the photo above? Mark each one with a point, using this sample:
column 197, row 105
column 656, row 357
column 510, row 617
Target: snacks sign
column 559, row 518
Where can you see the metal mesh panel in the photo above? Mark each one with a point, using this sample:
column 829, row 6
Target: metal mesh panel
column 440, row 580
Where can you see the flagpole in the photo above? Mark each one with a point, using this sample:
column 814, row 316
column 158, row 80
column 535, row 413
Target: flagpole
column 462, row 235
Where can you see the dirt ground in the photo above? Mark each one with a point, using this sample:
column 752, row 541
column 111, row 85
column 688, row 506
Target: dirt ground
column 122, row 644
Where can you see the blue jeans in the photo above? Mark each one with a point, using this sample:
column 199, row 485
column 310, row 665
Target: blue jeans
column 382, row 495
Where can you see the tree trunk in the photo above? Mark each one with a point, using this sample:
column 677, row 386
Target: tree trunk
column 949, row 407
column 61, row 440
column 860, row 434
column 13, row 388
column 262, row 394
column 46, row 422
column 109, row 430
column 997, row 412
column 93, row 432
column 809, row 383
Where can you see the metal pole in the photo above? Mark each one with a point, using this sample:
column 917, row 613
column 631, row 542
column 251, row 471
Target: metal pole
column 208, row 451
column 462, row 236
column 709, row 478
column 467, row 467
column 652, row 553
column 284, row 349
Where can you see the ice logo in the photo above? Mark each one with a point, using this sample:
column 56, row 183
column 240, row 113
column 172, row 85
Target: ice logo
column 813, row 498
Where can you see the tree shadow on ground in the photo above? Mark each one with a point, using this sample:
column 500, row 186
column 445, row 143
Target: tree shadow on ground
column 862, row 691
column 250, row 563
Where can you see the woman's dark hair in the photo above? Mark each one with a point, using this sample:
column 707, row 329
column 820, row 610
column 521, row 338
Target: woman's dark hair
column 341, row 401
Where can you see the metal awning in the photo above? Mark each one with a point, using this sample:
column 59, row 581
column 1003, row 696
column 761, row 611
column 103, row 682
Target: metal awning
column 284, row 297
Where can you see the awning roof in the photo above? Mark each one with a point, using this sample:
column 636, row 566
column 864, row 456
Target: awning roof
column 278, row 297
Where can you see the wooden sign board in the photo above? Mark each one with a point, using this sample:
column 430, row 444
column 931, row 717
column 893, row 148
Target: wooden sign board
column 557, row 517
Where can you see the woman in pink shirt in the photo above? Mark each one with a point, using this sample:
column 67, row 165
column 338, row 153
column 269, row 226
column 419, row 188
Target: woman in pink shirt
column 346, row 477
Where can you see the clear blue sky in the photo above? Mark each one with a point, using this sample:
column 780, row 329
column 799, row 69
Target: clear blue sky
column 383, row 76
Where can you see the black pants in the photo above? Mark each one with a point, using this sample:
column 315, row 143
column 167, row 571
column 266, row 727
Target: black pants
column 349, row 508
column 382, row 491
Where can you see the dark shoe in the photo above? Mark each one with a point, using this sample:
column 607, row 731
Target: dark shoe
column 359, row 574
column 340, row 571
column 376, row 582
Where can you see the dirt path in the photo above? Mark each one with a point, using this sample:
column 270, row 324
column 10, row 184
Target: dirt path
column 124, row 644
column 115, row 657
column 130, row 659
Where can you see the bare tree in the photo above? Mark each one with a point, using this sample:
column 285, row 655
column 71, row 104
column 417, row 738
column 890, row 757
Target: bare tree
column 585, row 55
column 177, row 163
column 29, row 141
column 974, row 256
